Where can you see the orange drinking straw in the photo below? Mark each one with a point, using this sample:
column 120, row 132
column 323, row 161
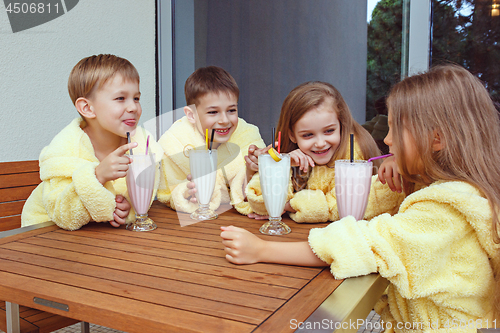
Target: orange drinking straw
column 206, row 138
column 279, row 141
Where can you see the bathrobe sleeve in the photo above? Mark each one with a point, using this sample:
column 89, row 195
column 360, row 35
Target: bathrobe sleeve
column 70, row 192
column 72, row 202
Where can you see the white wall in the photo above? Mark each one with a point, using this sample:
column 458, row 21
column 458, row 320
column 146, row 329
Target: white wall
column 35, row 65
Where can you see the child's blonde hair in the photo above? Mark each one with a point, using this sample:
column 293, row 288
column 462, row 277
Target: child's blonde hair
column 91, row 73
column 311, row 95
column 450, row 101
column 211, row 79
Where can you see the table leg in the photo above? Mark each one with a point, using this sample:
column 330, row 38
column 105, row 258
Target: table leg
column 12, row 314
column 85, row 327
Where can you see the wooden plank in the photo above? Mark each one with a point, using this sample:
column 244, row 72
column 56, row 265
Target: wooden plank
column 19, row 167
column 302, row 305
column 156, row 282
column 69, row 238
column 260, row 287
column 9, row 223
column 130, row 291
column 109, row 310
column 16, row 180
column 16, row 193
column 11, row 208
column 222, row 270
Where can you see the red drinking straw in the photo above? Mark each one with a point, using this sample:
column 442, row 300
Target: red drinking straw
column 279, row 141
column 147, row 145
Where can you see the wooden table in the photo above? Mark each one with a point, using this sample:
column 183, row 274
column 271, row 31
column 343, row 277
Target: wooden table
column 173, row 279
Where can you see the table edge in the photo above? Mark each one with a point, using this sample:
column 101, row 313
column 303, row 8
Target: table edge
column 21, row 230
column 351, row 301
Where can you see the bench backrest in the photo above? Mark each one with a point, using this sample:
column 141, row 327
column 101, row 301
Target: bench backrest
column 17, row 181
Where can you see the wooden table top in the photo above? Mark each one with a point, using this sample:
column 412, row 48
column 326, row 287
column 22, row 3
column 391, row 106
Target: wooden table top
column 173, row 279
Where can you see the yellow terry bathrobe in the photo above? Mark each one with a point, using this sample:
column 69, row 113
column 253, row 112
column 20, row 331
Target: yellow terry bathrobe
column 318, row 202
column 70, row 194
column 437, row 252
column 177, row 141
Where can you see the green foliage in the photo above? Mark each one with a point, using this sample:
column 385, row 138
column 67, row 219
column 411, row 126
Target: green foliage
column 463, row 32
column 384, row 51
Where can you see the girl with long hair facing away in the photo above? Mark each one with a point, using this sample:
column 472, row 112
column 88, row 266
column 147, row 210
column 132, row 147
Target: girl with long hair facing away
column 440, row 251
column 315, row 125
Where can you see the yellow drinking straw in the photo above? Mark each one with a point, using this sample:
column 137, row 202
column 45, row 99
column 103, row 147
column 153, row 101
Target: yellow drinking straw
column 206, row 138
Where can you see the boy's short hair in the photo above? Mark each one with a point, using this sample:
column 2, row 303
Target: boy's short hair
column 91, row 73
column 211, row 79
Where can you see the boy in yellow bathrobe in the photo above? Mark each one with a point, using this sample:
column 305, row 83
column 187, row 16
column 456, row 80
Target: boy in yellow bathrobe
column 212, row 99
column 83, row 169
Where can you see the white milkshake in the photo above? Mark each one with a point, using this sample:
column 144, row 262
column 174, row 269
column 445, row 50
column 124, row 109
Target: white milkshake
column 203, row 168
column 352, row 187
column 274, row 179
column 140, row 185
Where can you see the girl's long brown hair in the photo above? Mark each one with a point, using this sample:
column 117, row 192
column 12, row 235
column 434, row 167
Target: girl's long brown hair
column 311, row 95
column 450, row 101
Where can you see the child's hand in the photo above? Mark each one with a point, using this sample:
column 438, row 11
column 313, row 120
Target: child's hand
column 289, row 208
column 298, row 158
column 389, row 173
column 121, row 211
column 252, row 159
column 191, row 189
column 258, row 217
column 115, row 165
column 241, row 246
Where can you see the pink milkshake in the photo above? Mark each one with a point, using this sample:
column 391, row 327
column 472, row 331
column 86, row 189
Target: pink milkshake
column 352, row 187
column 140, row 186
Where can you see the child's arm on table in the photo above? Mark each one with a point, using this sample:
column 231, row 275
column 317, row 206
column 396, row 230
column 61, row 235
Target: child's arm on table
column 243, row 247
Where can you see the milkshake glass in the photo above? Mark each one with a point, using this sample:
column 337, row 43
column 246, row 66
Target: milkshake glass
column 274, row 178
column 352, row 187
column 203, row 165
column 140, row 184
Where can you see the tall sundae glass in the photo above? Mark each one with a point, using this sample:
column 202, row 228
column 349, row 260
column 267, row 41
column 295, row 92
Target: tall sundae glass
column 274, row 175
column 140, row 184
column 352, row 187
column 203, row 165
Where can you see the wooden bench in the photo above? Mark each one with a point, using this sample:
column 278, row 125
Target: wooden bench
column 17, row 181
